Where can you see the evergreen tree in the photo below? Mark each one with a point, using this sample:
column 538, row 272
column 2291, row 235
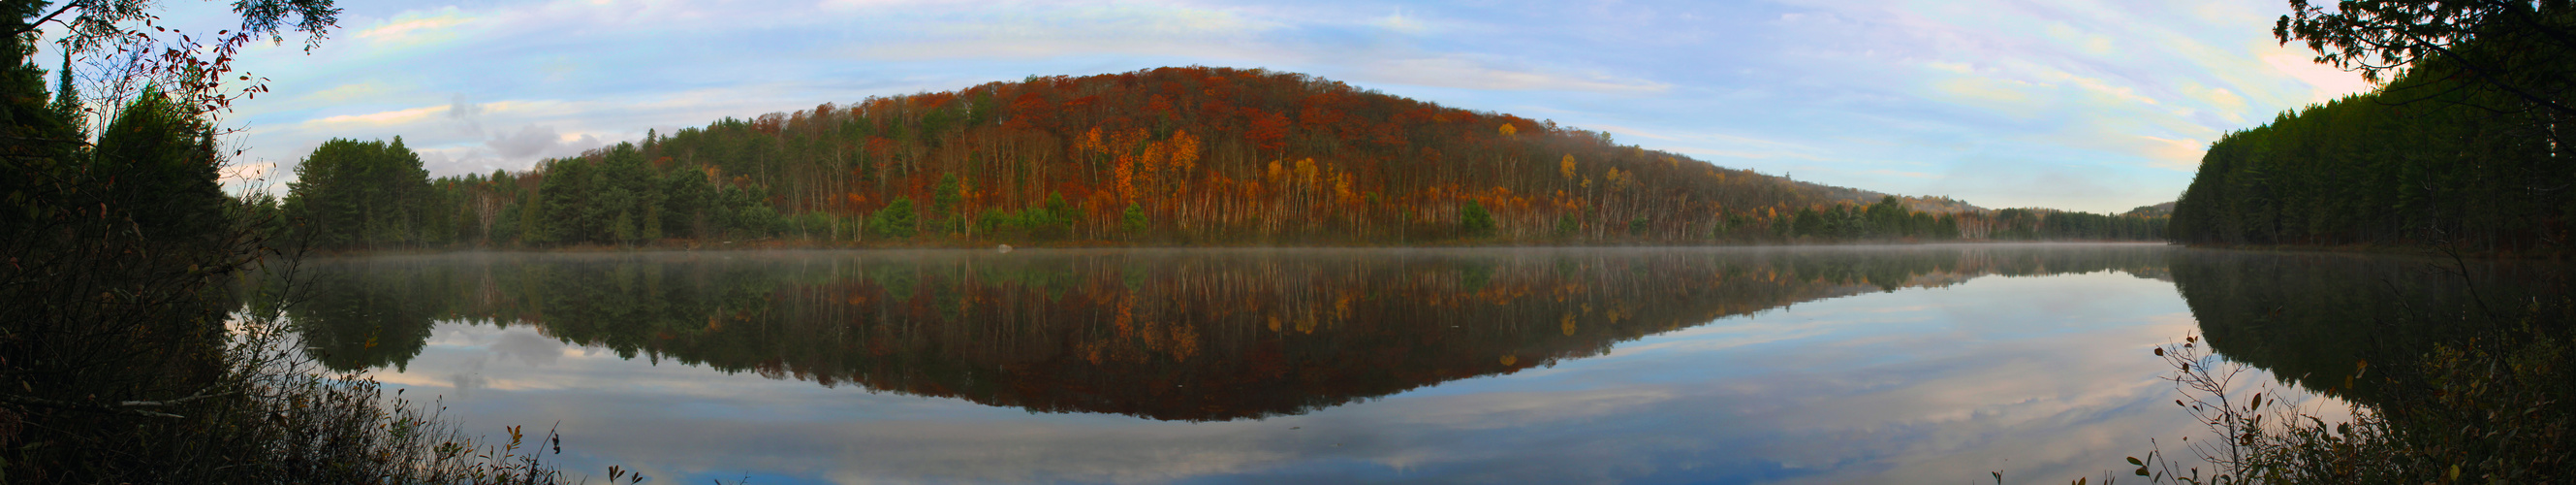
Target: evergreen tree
column 946, row 201
column 1135, row 220
column 1474, row 221
column 353, row 194
column 895, row 221
column 158, row 163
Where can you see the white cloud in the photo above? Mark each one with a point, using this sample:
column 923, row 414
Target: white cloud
column 1460, row 72
column 534, row 141
column 2176, row 154
column 381, row 118
column 1399, row 23
column 350, row 92
column 415, row 27
column 2222, row 98
column 1715, row 144
column 2005, row 93
column 2326, row 82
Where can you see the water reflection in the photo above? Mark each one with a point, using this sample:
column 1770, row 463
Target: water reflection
column 2310, row 318
column 1814, row 365
column 1193, row 336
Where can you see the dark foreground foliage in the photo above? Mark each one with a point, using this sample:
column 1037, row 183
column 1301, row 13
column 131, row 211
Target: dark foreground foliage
column 2489, row 405
column 122, row 357
column 2491, row 410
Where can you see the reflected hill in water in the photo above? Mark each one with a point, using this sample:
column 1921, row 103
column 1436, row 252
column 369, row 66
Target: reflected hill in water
column 2309, row 318
column 1195, row 335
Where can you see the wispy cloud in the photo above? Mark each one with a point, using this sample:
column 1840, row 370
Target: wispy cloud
column 415, row 27
column 2095, row 89
column 2177, row 154
column 1465, row 73
column 381, row 118
column 2327, row 82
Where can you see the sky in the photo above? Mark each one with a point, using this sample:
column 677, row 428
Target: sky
column 2076, row 104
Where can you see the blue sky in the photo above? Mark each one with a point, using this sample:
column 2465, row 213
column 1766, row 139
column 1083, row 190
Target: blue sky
column 2088, row 105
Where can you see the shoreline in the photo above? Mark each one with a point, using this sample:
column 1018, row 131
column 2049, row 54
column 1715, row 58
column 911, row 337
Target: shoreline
column 718, row 248
column 2388, row 250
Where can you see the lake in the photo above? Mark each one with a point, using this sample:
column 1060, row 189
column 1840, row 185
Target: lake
column 1932, row 363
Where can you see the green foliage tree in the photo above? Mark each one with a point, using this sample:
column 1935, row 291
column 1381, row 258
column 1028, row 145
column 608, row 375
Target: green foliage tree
column 1808, row 223
column 896, row 220
column 159, row 163
column 612, row 196
column 2376, row 169
column 1134, row 220
column 946, row 202
column 1048, row 221
column 1475, row 221
column 686, row 199
column 1887, row 218
column 353, row 194
column 533, row 228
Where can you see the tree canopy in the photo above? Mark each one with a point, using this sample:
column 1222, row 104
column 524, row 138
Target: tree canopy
column 1189, row 155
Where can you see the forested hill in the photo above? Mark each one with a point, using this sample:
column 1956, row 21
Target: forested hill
column 2386, row 169
column 2158, row 210
column 1162, row 156
column 2467, row 150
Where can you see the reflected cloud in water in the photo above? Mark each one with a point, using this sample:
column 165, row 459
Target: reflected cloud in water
column 1726, row 366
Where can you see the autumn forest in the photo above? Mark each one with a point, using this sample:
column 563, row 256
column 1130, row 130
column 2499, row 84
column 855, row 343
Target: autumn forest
column 1163, row 156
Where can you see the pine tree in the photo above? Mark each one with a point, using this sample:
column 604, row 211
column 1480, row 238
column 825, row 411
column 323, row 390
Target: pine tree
column 1135, row 221
column 1474, row 221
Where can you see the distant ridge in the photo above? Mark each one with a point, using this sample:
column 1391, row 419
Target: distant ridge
column 2158, row 210
column 1217, row 154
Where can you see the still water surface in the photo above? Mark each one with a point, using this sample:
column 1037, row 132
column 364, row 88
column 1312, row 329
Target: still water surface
column 1733, row 365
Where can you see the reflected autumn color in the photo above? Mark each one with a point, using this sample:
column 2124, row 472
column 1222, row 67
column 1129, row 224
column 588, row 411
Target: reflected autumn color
column 1190, row 335
column 2311, row 318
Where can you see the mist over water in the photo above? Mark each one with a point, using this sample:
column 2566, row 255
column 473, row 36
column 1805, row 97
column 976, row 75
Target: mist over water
column 1729, row 365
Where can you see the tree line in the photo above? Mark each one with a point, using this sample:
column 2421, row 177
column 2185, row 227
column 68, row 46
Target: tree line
column 1163, row 156
column 2465, row 145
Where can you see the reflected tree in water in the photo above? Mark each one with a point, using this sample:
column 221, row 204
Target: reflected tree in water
column 1197, row 336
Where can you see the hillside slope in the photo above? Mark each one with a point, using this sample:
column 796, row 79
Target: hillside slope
column 1225, row 154
column 1163, row 156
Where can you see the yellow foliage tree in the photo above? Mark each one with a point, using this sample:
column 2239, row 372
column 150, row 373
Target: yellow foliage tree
column 1306, row 174
column 1185, row 151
